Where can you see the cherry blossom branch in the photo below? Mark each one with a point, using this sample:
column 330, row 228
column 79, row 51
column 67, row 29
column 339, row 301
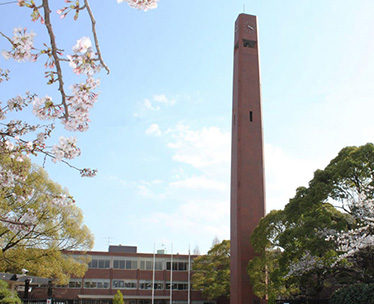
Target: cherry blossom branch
column 14, row 222
column 9, row 2
column 6, row 37
column 93, row 22
column 48, row 24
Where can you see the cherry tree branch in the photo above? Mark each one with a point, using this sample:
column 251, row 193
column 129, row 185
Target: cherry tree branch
column 93, row 22
column 48, row 24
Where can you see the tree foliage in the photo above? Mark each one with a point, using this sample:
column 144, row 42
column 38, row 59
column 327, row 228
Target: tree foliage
column 353, row 294
column 212, row 271
column 266, row 281
column 35, row 226
column 325, row 233
column 118, row 298
column 6, row 296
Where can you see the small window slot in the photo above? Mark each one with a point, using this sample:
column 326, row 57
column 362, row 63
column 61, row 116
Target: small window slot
column 250, row 116
column 249, row 43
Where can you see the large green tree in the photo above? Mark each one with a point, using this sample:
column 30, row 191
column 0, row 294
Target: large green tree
column 212, row 271
column 39, row 224
column 325, row 233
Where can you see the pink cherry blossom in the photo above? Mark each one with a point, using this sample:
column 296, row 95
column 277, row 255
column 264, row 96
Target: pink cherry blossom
column 144, row 5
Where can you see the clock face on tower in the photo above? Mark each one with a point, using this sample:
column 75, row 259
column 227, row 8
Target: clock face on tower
column 249, row 27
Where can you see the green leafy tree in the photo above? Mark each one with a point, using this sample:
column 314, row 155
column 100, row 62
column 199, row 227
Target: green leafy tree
column 6, row 296
column 39, row 224
column 266, row 279
column 212, row 271
column 325, row 231
column 118, row 298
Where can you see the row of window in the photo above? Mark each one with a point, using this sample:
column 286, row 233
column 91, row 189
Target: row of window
column 133, row 265
column 126, row 284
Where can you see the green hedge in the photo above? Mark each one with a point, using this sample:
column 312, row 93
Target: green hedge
column 358, row 293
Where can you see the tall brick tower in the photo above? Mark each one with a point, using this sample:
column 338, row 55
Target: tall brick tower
column 247, row 168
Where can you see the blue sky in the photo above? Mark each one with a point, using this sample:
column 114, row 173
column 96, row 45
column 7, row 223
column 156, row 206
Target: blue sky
column 160, row 133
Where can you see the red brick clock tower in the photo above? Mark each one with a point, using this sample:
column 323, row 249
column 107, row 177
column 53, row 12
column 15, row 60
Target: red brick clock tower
column 247, row 167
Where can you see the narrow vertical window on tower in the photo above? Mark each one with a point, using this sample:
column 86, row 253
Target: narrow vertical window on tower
column 250, row 116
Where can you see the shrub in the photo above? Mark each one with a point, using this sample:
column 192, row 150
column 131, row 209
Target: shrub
column 6, row 295
column 358, row 293
column 118, row 298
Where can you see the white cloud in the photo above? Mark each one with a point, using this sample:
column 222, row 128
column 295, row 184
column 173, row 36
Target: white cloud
column 203, row 219
column 153, row 105
column 284, row 174
column 208, row 146
column 199, row 182
column 148, row 105
column 153, row 129
column 150, row 190
column 163, row 99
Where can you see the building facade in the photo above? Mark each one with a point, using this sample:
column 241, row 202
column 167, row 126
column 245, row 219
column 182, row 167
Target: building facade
column 141, row 278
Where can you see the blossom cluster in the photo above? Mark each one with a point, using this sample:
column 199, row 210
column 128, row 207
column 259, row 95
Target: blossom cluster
column 4, row 75
column 306, row 263
column 83, row 95
column 7, row 177
column 22, row 45
column 143, row 5
column 83, row 61
column 45, row 109
column 80, row 103
column 360, row 207
column 18, row 224
column 355, row 240
column 66, row 148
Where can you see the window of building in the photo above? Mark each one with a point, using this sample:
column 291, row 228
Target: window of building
column 146, row 265
column 159, row 266
column 125, row 264
column 145, row 284
column 148, row 285
column 75, row 283
column 249, row 43
column 130, row 284
column 177, row 285
column 118, row 283
column 99, row 263
column 96, row 283
column 124, row 284
column 177, row 266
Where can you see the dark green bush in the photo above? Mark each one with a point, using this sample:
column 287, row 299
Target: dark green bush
column 354, row 294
